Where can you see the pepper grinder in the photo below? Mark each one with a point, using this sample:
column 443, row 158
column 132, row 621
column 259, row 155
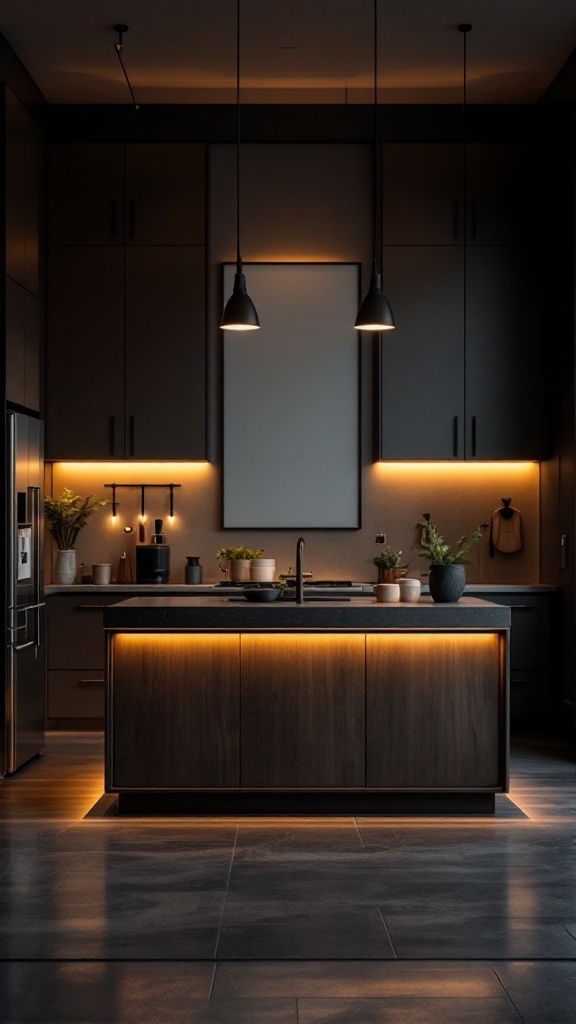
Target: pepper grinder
column 193, row 569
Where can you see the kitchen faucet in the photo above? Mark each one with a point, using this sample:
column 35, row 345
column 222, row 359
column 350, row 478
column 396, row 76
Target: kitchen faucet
column 299, row 573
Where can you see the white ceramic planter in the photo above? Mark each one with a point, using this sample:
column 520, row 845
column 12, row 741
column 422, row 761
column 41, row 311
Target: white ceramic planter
column 65, row 567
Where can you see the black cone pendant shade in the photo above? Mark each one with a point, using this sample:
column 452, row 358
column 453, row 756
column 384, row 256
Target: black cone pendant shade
column 239, row 312
column 375, row 313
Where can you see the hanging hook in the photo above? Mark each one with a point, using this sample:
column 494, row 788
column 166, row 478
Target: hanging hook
column 119, row 47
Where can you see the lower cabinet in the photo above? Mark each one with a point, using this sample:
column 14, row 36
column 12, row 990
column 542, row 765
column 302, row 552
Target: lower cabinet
column 176, row 714
column 75, row 660
column 532, row 650
column 309, row 711
column 309, row 729
column 433, row 711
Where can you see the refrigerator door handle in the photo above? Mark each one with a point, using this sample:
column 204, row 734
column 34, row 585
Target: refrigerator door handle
column 37, row 542
column 22, row 647
column 11, row 567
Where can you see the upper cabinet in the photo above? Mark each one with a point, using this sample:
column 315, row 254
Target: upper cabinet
column 23, row 197
column 463, row 376
column 126, row 302
column 451, row 194
column 133, row 194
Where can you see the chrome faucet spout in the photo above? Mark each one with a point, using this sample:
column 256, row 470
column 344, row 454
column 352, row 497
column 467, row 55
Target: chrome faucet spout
column 299, row 571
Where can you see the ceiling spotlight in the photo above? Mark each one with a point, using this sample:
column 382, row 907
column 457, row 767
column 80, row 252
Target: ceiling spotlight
column 119, row 47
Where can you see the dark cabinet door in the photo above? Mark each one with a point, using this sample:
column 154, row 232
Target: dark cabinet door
column 423, row 194
column 302, row 711
column 165, row 194
column 22, row 346
column 422, row 365
column 434, row 710
column 499, row 183
column 23, row 161
column 165, row 353
column 86, row 194
column 175, row 710
column 85, row 344
column 506, row 384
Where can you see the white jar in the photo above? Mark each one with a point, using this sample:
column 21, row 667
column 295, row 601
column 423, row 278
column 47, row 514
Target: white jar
column 410, row 590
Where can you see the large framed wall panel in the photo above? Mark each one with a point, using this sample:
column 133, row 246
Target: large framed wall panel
column 291, row 400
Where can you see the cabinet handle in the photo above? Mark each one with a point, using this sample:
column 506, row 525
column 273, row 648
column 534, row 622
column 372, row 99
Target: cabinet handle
column 564, row 551
column 113, row 219
column 112, row 435
column 456, row 218
column 473, row 219
column 91, row 607
column 132, row 431
column 131, row 219
column 91, row 682
column 455, row 437
column 473, row 435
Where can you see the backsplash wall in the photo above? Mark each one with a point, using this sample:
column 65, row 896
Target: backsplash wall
column 394, row 496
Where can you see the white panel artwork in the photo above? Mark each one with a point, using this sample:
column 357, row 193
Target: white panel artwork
column 291, row 400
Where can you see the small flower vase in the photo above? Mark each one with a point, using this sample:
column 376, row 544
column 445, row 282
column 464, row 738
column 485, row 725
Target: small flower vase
column 447, row 582
column 239, row 569
column 65, row 567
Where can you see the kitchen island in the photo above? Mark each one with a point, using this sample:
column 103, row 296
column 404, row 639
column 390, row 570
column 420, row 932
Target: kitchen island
column 220, row 706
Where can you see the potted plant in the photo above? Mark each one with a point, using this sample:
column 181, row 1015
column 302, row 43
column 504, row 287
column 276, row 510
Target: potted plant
column 387, row 561
column 447, row 577
column 67, row 515
column 238, row 561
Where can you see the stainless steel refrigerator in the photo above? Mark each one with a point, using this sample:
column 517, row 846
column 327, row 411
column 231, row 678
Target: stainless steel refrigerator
column 23, row 704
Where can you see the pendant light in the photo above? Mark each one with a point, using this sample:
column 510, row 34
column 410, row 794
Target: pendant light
column 239, row 312
column 375, row 313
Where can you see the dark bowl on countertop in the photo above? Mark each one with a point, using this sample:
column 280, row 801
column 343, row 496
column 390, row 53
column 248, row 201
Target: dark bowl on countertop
column 262, row 594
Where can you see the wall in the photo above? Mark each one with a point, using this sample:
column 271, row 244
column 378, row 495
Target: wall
column 307, row 202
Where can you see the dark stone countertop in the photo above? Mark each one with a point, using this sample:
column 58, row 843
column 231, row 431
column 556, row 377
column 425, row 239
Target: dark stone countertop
column 236, row 614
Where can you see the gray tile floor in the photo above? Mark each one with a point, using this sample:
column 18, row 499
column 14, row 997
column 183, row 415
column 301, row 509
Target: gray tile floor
column 286, row 920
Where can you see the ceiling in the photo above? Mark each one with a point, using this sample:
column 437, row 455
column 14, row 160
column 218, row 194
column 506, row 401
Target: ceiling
column 295, row 51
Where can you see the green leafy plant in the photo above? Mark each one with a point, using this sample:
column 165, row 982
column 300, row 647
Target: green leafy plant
column 240, row 552
column 387, row 558
column 438, row 552
column 68, row 514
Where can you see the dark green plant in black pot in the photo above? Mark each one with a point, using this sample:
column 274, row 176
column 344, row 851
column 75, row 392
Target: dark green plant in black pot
column 447, row 577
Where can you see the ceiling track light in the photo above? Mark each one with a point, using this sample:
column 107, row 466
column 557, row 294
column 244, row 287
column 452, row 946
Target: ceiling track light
column 239, row 312
column 375, row 314
column 119, row 47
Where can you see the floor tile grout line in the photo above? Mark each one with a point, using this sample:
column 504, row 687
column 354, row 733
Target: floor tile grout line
column 212, row 979
column 502, row 985
column 226, row 891
column 359, row 834
column 388, row 932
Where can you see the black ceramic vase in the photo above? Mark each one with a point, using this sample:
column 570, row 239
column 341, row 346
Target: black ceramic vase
column 447, row 582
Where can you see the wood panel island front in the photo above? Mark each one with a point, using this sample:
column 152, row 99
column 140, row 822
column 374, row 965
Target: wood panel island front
column 220, row 706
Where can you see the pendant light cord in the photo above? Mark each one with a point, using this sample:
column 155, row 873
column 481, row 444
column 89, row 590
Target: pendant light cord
column 238, row 256
column 375, row 154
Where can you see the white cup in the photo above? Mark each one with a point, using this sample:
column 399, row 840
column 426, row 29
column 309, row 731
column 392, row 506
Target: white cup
column 387, row 593
column 410, row 590
column 101, row 573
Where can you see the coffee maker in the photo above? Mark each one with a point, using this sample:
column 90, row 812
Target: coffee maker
column 153, row 560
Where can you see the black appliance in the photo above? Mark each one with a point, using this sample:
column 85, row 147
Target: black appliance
column 152, row 563
column 22, row 732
